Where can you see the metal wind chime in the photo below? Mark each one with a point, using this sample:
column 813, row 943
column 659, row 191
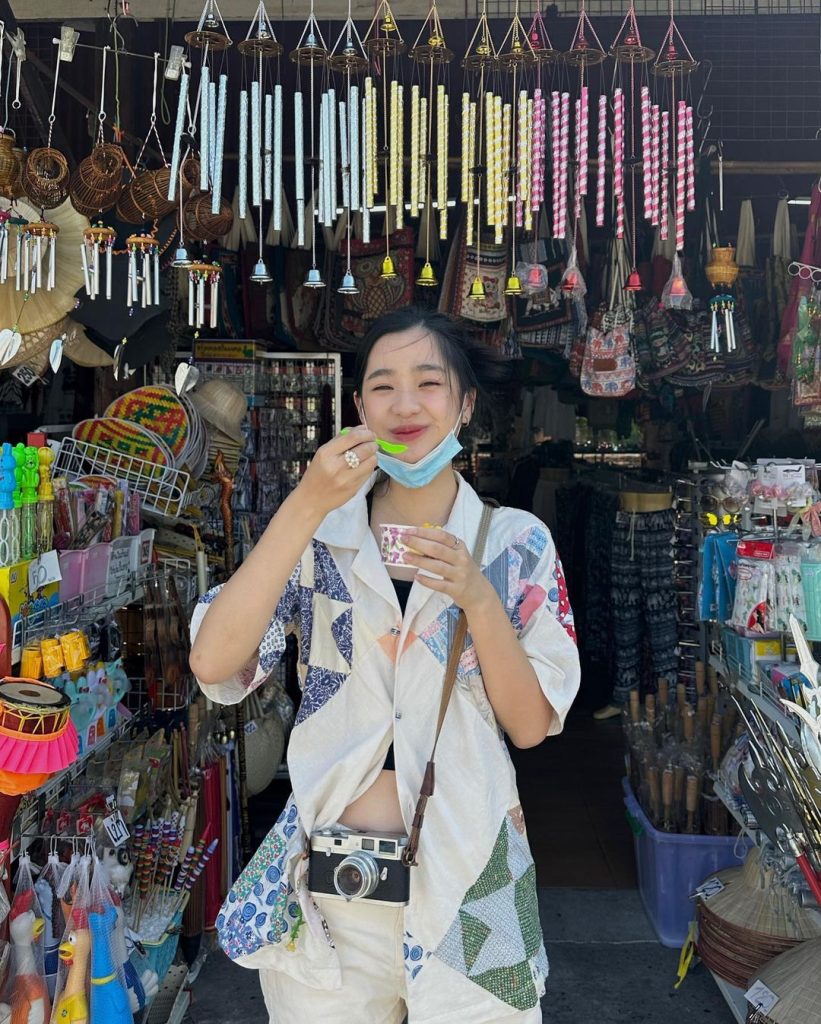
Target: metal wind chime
column 630, row 107
column 431, row 55
column 97, row 247
column 481, row 142
column 36, row 250
column 311, row 53
column 259, row 47
column 203, row 294
column 585, row 52
column 143, row 271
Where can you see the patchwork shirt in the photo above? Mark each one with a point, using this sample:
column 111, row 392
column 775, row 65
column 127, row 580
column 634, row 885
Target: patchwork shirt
column 369, row 675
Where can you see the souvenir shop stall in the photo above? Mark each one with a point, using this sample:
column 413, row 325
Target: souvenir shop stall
column 190, row 253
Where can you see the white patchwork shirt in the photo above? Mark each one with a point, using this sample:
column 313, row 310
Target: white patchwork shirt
column 371, row 676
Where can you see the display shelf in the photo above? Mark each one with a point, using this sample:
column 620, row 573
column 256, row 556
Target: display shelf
column 170, row 1004
column 734, row 998
column 756, row 696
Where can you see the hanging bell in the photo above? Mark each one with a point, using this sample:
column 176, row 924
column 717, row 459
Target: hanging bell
column 513, row 286
column 633, row 282
column 427, row 278
column 571, row 281
column 181, row 257
column 477, row 289
column 388, row 269
column 314, row 279
column 678, row 287
column 348, row 286
column 536, row 275
column 260, row 273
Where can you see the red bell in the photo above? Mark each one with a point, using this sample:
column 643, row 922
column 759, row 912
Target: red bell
column 571, row 281
column 534, row 276
column 678, row 287
column 633, row 282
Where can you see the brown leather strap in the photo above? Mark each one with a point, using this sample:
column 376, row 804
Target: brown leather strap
column 454, row 656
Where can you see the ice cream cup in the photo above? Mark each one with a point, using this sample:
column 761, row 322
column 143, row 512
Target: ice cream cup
column 393, row 547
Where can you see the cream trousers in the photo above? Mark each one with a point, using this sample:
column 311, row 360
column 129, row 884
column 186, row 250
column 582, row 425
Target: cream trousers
column 369, row 940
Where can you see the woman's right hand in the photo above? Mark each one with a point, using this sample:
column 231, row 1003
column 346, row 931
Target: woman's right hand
column 329, row 480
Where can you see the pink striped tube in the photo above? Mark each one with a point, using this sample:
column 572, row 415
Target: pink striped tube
column 555, row 136
column 691, row 163
column 681, row 172
column 565, row 159
column 602, row 159
column 646, row 152
column 583, row 145
column 577, row 183
column 537, row 159
column 664, row 160
column 656, row 163
column 618, row 142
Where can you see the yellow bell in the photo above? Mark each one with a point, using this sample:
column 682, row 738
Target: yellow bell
column 477, row 289
column 388, row 24
column 427, row 278
column 513, row 286
column 388, row 269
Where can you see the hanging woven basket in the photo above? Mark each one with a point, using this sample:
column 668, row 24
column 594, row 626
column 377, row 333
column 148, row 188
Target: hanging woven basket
column 200, row 224
column 106, row 164
column 98, row 180
column 9, row 163
column 45, row 177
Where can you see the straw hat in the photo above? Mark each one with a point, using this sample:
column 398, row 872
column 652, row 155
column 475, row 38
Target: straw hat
column 795, row 978
column 223, row 405
column 35, row 346
column 752, row 920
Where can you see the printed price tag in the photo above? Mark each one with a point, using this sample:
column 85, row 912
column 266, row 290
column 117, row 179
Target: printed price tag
column 44, row 570
column 116, row 828
column 761, row 997
column 708, row 889
column 25, row 375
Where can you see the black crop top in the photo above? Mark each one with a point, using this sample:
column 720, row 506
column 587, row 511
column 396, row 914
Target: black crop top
column 403, row 589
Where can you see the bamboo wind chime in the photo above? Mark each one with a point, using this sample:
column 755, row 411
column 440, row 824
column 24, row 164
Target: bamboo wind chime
column 97, row 241
column 143, row 271
column 431, row 55
column 259, row 47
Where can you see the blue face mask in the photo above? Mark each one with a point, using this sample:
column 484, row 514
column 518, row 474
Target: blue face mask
column 419, row 474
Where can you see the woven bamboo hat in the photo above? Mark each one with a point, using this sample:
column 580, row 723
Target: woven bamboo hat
column 35, row 346
column 223, row 405
column 795, row 977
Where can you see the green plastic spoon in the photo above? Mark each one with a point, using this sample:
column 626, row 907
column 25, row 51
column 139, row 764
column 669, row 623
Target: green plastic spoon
column 386, row 446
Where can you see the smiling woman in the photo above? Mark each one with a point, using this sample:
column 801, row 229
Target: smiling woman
column 382, row 641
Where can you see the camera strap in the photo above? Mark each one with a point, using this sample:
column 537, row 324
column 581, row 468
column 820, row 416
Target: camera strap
column 454, row 656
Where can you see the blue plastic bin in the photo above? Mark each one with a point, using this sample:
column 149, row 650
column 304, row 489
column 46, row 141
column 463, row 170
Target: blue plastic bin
column 671, row 867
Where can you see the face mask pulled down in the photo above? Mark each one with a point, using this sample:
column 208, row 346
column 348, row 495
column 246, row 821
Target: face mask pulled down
column 420, row 474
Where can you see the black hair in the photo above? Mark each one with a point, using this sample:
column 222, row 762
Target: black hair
column 475, row 365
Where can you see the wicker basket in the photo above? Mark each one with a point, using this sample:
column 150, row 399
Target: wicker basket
column 9, row 163
column 106, row 165
column 203, row 226
column 98, row 180
column 45, row 177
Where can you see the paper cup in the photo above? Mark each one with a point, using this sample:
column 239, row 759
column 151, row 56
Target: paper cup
column 393, row 547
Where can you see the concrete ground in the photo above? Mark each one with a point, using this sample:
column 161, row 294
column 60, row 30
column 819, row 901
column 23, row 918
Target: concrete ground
column 605, row 968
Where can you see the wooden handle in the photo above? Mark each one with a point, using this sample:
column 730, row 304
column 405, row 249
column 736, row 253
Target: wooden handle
column 715, row 740
column 712, row 680
column 689, row 724
column 667, row 788
column 679, row 779
column 700, row 677
column 701, row 713
column 664, row 691
column 692, row 794
column 711, row 706
column 653, row 787
column 635, row 712
column 650, row 708
column 681, row 695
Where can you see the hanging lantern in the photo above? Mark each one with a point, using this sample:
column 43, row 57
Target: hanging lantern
column 36, row 245
column 203, row 294
column 97, row 240
column 427, row 278
column 676, row 294
column 143, row 270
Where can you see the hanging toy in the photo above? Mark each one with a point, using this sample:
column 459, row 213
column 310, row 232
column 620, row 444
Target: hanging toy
column 200, row 275
column 97, row 240
column 143, row 270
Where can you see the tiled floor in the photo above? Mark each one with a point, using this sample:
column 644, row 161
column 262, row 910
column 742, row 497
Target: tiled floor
column 571, row 793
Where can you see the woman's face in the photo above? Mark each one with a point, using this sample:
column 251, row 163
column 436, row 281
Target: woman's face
column 408, row 396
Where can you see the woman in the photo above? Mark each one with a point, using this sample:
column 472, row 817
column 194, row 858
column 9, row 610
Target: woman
column 374, row 643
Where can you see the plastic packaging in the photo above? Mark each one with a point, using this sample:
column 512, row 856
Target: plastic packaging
column 26, row 992
column 71, row 996
column 109, row 1001
column 46, row 887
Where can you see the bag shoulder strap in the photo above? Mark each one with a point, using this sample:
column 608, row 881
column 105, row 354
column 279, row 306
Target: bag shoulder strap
column 454, row 656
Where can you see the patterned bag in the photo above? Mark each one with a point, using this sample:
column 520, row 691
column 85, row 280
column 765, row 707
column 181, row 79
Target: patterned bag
column 608, row 369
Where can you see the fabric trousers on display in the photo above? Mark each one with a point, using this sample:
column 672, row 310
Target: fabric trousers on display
column 375, row 973
column 598, row 623
column 643, row 598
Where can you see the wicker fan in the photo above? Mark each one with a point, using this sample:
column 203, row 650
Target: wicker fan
column 796, row 979
column 749, row 922
column 47, row 307
column 200, row 224
column 9, row 164
column 45, row 177
column 98, row 180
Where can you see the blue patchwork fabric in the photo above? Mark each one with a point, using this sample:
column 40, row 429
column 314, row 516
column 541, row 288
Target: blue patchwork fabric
column 320, row 685
column 414, row 955
column 342, row 631
column 327, row 578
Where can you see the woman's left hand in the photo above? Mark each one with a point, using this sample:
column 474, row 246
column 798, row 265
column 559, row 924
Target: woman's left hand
column 437, row 551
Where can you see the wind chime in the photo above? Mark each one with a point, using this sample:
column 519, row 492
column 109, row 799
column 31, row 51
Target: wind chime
column 384, row 45
column 515, row 56
column 585, row 52
column 143, row 271
column 98, row 240
column 673, row 139
column 203, row 294
column 36, row 246
column 722, row 273
column 632, row 58
column 348, row 58
column 431, row 55
column 483, row 140
column 259, row 47
column 311, row 53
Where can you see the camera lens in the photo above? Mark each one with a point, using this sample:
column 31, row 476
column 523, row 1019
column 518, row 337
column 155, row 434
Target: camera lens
column 356, row 876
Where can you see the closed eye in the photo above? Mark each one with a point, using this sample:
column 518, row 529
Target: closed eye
column 430, row 383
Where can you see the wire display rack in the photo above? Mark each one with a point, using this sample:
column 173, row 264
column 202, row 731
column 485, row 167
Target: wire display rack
column 162, row 490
